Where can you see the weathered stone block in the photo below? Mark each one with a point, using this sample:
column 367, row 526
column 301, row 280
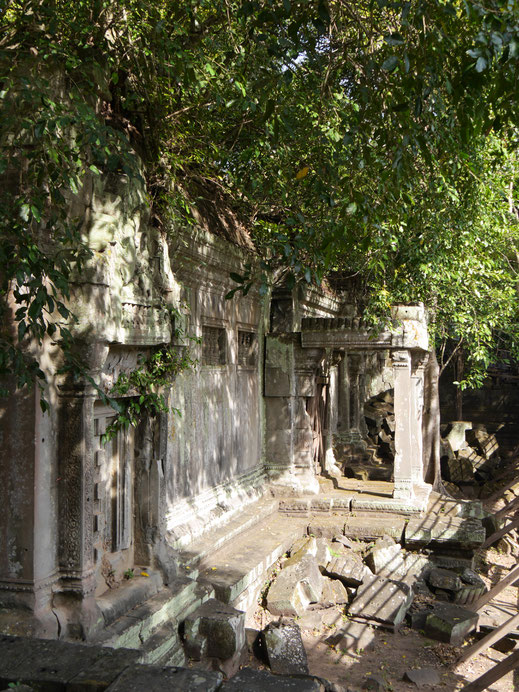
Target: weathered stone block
column 334, row 593
column 450, row 623
column 214, row 629
column 164, row 679
column 279, row 446
column 263, row 681
column 444, row 579
column 470, row 456
column 460, row 470
column 382, row 599
column 284, row 648
column 450, row 532
column 277, row 382
column 385, row 555
column 298, row 584
column 278, row 413
column 349, row 568
column 456, row 435
column 472, row 587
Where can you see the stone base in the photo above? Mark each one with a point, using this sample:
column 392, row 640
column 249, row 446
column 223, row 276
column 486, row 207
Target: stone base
column 195, row 516
column 292, row 480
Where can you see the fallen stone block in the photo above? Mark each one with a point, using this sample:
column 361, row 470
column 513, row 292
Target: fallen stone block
column 485, row 443
column 448, row 532
column 284, row 648
column 417, row 618
column 383, row 600
column 459, row 470
column 456, row 436
column 323, row 554
column 422, row 677
column 473, row 458
column 137, row 678
column 349, row 568
column 450, row 623
column 286, row 598
column 334, row 593
column 214, row 629
column 440, row 578
column 303, row 546
column 385, row 555
column 299, row 583
column 371, row 528
column 250, row 680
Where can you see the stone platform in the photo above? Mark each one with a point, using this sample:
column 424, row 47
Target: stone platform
column 351, row 495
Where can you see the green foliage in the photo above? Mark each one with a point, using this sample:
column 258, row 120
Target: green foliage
column 139, row 394
column 373, row 140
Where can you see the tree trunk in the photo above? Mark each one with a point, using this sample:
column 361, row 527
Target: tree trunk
column 431, row 423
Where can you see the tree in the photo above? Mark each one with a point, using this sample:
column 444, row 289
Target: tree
column 372, row 139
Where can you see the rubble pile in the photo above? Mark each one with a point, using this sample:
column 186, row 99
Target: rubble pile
column 379, row 414
column 470, row 458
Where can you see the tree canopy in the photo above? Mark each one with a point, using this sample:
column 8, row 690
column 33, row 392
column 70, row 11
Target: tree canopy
column 372, row 140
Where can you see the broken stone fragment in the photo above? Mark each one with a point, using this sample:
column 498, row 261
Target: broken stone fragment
column 375, row 683
column 444, row 579
column 299, row 583
column 385, row 556
column 382, row 599
column 473, row 458
column 349, row 568
column 450, row 623
column 284, row 648
column 334, row 593
column 214, row 629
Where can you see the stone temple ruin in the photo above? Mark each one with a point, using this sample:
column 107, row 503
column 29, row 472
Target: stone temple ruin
column 160, row 540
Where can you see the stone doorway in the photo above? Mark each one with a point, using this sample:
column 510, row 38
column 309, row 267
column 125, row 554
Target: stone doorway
column 113, row 510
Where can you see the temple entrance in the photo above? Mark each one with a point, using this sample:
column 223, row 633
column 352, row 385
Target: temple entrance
column 113, row 531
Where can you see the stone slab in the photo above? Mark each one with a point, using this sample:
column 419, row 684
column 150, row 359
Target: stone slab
column 383, row 600
column 284, row 648
column 349, row 568
column 449, row 532
column 385, row 555
column 450, row 623
column 166, row 679
column 47, row 664
column 104, row 670
column 234, row 568
column 249, row 680
column 373, row 527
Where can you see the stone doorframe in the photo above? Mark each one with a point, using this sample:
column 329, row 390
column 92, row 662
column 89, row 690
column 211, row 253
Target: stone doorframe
column 288, row 356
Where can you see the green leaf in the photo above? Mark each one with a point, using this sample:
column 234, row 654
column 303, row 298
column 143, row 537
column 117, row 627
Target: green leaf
column 481, row 64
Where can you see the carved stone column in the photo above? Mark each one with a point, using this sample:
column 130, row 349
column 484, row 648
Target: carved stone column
column 403, row 471
column 343, row 423
column 417, row 403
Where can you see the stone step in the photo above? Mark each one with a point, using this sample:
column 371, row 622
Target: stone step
column 142, row 623
column 129, row 594
column 238, row 571
column 198, row 550
column 163, row 646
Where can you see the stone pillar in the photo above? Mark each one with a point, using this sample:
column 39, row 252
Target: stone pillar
column 289, row 434
column 416, row 414
column 343, row 423
column 403, row 471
